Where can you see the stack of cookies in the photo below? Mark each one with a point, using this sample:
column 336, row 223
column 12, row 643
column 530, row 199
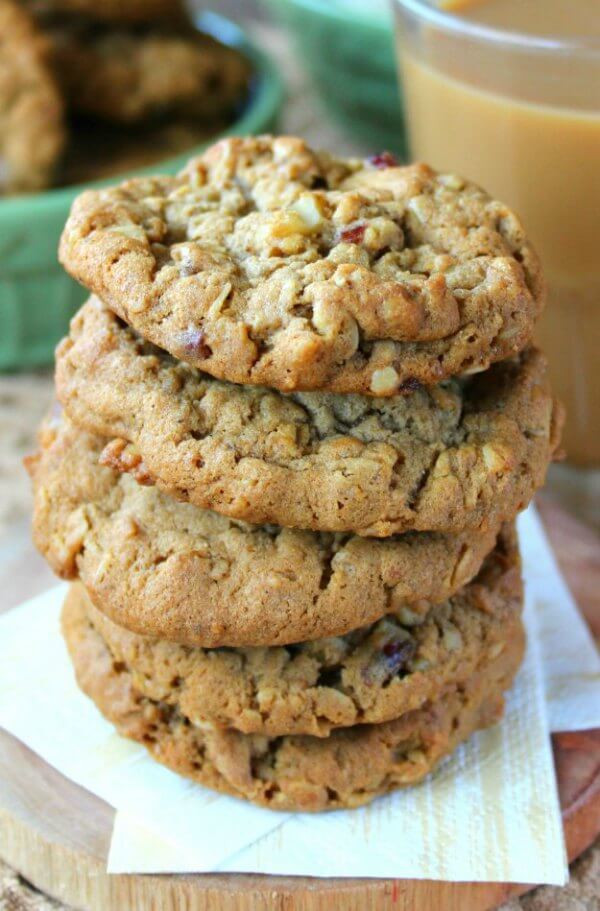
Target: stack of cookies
column 126, row 81
column 299, row 415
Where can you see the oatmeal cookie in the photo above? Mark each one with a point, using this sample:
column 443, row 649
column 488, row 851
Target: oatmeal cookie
column 265, row 262
column 371, row 675
column 464, row 454
column 349, row 768
column 172, row 570
column 138, row 74
column 31, row 113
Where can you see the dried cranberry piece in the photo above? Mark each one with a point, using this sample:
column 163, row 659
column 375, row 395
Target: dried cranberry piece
column 398, row 652
column 394, row 655
column 194, row 342
column 410, row 384
column 383, row 160
column 352, row 235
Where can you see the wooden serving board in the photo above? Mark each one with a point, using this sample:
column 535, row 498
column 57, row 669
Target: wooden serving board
column 57, row 835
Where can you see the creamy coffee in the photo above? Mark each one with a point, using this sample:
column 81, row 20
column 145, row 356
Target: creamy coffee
column 525, row 123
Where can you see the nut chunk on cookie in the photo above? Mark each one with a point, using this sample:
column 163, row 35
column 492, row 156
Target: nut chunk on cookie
column 266, row 262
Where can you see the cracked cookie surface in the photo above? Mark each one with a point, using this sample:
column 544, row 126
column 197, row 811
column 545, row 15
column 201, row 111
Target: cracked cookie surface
column 132, row 75
column 349, row 768
column 464, row 454
column 172, row 570
column 371, row 675
column 266, row 262
column 31, row 112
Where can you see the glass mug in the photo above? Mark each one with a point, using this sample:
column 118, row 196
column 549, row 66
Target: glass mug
column 520, row 115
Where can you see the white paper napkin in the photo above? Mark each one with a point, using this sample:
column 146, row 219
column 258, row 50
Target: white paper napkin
column 490, row 813
column 570, row 658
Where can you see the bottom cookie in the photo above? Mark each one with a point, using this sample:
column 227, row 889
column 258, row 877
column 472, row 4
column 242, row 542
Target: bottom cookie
column 349, row 768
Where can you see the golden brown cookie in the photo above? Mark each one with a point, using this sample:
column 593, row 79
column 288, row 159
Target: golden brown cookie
column 371, row 675
column 347, row 769
column 464, row 454
column 266, row 262
column 31, row 111
column 129, row 75
column 170, row 569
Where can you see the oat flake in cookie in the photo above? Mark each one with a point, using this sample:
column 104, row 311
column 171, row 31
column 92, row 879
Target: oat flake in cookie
column 464, row 454
column 371, row 675
column 266, row 262
column 31, row 112
column 349, row 768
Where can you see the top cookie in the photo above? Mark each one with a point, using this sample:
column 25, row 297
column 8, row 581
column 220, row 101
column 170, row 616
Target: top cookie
column 266, row 262
column 31, row 112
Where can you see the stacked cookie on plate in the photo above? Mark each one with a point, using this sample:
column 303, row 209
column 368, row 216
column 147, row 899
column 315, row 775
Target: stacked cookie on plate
column 299, row 416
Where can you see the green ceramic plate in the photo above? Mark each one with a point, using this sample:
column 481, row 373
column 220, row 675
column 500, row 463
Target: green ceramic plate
column 37, row 298
column 347, row 48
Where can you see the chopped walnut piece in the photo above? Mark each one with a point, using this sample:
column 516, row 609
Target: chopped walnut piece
column 123, row 456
